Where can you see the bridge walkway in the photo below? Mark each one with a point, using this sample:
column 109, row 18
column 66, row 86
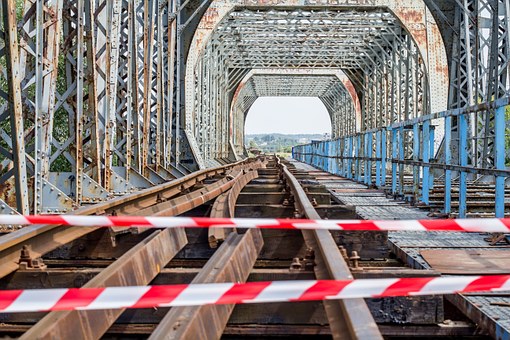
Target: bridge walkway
column 449, row 253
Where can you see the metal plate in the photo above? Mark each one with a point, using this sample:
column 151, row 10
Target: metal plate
column 438, row 239
column 367, row 201
column 449, row 261
column 390, row 213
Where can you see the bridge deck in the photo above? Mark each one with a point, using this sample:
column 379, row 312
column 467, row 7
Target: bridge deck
column 490, row 309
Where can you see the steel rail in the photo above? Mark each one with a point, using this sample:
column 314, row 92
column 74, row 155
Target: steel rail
column 42, row 239
column 232, row 262
column 138, row 266
column 348, row 319
column 224, row 206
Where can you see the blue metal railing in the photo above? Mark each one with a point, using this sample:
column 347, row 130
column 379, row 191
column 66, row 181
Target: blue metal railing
column 411, row 146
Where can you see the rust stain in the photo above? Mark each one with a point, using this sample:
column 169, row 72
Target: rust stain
column 412, row 15
column 209, row 18
column 7, row 193
column 354, row 95
column 442, row 69
column 414, row 21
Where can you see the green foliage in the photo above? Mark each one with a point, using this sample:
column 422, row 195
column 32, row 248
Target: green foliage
column 279, row 143
column 19, row 9
column 61, row 121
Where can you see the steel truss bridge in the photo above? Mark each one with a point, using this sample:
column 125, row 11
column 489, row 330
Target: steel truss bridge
column 102, row 98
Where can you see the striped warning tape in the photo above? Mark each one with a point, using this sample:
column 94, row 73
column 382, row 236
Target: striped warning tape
column 460, row 225
column 235, row 293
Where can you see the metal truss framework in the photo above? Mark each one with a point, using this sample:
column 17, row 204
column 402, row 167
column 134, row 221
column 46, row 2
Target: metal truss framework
column 386, row 62
column 284, row 83
column 480, row 73
column 474, row 147
column 93, row 116
column 102, row 97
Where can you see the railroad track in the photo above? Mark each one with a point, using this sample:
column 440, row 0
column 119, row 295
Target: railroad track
column 140, row 264
column 98, row 257
column 348, row 319
column 233, row 261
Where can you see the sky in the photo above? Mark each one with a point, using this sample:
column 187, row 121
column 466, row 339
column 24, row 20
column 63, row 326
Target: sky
column 289, row 115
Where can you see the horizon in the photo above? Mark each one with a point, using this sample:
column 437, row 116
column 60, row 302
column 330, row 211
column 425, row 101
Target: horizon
column 291, row 115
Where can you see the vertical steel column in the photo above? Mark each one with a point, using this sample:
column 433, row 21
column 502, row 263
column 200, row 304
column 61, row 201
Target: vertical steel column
column 432, row 152
column 14, row 105
column 426, row 158
column 47, row 40
column 463, row 160
column 378, row 163
column 401, row 157
column 357, row 158
column 148, row 54
column 365, row 159
column 383, row 156
column 80, row 78
column 178, row 85
column 448, row 160
column 350, row 155
column 171, row 49
column 416, row 158
column 500, row 155
column 370, row 150
column 92, row 127
column 394, row 155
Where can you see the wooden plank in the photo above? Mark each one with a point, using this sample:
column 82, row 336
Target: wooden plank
column 468, row 261
column 330, row 212
column 452, row 329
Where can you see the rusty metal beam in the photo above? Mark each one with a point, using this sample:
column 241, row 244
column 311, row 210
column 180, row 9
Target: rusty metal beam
column 42, row 239
column 224, row 206
column 232, row 262
column 14, row 105
column 196, row 198
column 135, row 268
column 348, row 319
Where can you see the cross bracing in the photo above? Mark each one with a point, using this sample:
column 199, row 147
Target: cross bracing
column 301, row 38
column 274, row 83
column 298, row 86
column 366, row 44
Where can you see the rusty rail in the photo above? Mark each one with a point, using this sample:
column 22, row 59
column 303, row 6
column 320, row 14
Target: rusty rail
column 224, row 206
column 232, row 262
column 348, row 319
column 45, row 238
column 141, row 264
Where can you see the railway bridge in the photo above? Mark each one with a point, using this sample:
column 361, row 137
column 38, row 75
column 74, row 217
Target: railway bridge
column 102, row 98
column 104, row 103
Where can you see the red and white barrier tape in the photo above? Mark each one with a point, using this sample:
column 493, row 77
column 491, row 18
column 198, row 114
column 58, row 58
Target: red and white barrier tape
column 235, row 293
column 460, row 225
